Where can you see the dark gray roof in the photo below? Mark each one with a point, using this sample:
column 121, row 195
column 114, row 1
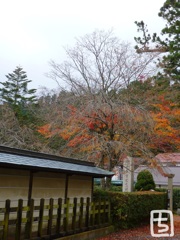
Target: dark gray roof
column 32, row 160
column 158, row 178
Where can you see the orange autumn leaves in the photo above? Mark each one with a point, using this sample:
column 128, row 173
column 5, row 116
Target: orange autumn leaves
column 75, row 132
column 166, row 135
column 85, row 130
column 47, row 130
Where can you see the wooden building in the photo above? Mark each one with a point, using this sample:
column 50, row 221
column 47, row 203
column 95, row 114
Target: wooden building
column 44, row 196
column 26, row 175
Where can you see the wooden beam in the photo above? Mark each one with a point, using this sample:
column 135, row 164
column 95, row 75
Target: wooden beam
column 92, row 187
column 30, row 186
column 66, row 186
column 170, row 191
column 152, row 50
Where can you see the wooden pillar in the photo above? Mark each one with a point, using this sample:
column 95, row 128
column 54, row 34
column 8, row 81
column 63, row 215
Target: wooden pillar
column 92, row 187
column 66, row 186
column 30, row 204
column 170, row 191
column 30, row 186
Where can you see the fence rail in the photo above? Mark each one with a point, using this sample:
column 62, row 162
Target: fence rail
column 53, row 219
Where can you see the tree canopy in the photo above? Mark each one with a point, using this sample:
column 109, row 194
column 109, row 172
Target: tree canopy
column 16, row 94
column 15, row 90
column 167, row 42
column 113, row 105
column 100, row 125
column 145, row 181
column 100, row 63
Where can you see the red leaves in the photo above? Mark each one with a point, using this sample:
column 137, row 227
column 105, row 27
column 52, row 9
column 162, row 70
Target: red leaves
column 142, row 232
column 45, row 130
column 91, row 126
column 79, row 140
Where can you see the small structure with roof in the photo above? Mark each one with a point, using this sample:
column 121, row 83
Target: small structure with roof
column 26, row 174
column 160, row 180
column 169, row 164
column 47, row 197
column 169, row 159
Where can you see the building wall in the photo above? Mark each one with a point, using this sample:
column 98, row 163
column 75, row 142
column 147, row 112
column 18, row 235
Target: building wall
column 48, row 185
column 79, row 186
column 14, row 185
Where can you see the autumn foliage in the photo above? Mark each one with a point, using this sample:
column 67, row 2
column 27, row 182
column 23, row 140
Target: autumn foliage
column 103, row 134
column 106, row 133
column 166, row 136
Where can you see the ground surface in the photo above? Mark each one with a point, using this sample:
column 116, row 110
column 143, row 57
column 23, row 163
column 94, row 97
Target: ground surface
column 143, row 233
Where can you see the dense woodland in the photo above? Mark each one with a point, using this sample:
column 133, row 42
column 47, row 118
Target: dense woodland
column 113, row 99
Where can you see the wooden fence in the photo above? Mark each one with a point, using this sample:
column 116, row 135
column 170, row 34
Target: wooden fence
column 52, row 219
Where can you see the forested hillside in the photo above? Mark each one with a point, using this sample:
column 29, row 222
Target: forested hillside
column 114, row 99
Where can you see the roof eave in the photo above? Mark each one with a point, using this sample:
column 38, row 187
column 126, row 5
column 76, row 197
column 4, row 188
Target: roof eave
column 43, row 169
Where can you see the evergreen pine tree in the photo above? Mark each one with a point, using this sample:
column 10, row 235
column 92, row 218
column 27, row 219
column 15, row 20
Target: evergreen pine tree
column 15, row 92
column 169, row 42
column 171, row 13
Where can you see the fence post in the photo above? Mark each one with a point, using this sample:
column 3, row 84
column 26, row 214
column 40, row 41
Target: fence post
column 109, row 211
column 87, row 212
column 51, row 202
column 59, row 212
column 99, row 212
column 104, row 211
column 28, row 228
column 41, row 214
column 66, row 213
column 6, row 219
column 81, row 212
column 93, row 204
column 19, row 220
column 74, row 215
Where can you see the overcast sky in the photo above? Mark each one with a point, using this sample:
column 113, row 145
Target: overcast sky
column 33, row 32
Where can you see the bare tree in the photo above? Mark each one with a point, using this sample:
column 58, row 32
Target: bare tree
column 100, row 62
column 102, row 128
column 14, row 134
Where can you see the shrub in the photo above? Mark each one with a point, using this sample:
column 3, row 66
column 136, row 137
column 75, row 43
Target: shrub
column 99, row 192
column 145, row 181
column 131, row 209
column 98, row 189
column 176, row 198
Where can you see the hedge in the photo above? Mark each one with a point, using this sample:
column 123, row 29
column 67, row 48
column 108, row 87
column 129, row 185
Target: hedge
column 176, row 196
column 133, row 209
